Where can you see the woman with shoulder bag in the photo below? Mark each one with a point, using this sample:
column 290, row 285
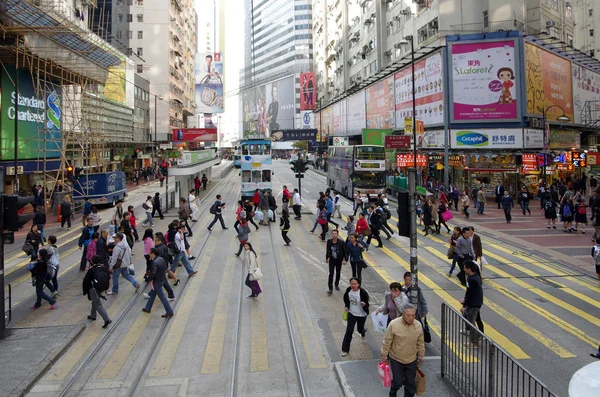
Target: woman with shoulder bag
column 39, row 271
column 394, row 302
column 452, row 248
column 254, row 273
column 442, row 209
column 354, row 249
column 34, row 238
column 322, row 220
column 356, row 302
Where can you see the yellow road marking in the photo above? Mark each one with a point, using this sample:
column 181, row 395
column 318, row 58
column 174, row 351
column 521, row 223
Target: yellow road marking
column 259, row 354
column 164, row 359
column 120, row 355
column 527, row 329
column 72, row 357
column 312, row 347
column 216, row 337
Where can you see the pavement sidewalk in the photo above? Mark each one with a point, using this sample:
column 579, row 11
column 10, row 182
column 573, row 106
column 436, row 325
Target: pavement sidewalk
column 359, row 378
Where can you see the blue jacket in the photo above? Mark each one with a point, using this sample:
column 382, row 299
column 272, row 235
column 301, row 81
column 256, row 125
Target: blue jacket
column 86, row 236
column 329, row 205
column 353, row 252
column 507, row 202
column 87, row 208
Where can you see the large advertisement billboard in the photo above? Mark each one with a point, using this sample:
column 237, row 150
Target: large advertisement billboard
column 356, row 119
column 586, row 88
column 39, row 115
column 484, row 83
column 268, row 107
column 548, row 83
column 380, row 104
column 308, row 91
column 429, row 94
column 195, row 135
column 327, row 122
column 339, row 118
column 209, row 83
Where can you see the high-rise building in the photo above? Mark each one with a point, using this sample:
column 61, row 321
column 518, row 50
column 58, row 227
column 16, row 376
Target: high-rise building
column 587, row 22
column 163, row 38
column 356, row 39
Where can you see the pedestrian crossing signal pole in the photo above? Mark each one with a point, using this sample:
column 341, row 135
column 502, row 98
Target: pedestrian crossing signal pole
column 414, row 262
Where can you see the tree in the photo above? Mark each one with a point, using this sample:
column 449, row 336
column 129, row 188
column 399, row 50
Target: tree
column 301, row 145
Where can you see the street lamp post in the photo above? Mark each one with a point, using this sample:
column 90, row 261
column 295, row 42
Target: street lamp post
column 412, row 183
column 155, row 147
column 563, row 118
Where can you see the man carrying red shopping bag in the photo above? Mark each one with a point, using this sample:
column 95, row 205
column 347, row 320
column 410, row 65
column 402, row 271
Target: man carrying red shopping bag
column 404, row 345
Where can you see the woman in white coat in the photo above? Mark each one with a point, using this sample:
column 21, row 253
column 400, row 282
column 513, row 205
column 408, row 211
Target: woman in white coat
column 251, row 265
column 395, row 300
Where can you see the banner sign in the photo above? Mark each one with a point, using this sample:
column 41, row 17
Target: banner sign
column 209, row 83
column 492, row 161
column 380, row 104
column 305, row 134
column 397, row 142
column 487, row 138
column 586, row 88
column 369, row 165
column 564, row 139
column 375, row 137
column 534, row 139
column 308, row 91
column 408, row 160
column 529, row 162
column 456, row 160
column 195, row 135
column 340, row 141
column 485, row 85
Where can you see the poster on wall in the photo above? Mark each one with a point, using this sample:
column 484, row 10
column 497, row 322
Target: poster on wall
column 356, row 116
column 308, row 91
column 429, row 96
column 485, row 86
column 548, row 83
column 586, row 88
column 339, row 118
column 380, row 104
column 195, row 135
column 39, row 113
column 209, row 83
column 326, row 122
column 268, row 107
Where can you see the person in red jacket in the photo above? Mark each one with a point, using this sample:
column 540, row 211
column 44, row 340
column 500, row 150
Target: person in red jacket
column 256, row 199
column 361, row 225
column 133, row 223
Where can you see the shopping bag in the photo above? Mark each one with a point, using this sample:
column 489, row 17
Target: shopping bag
column 385, row 374
column 131, row 270
column 451, row 252
column 446, row 215
column 258, row 216
column 421, row 382
column 379, row 321
column 345, row 315
column 270, row 214
column 482, row 262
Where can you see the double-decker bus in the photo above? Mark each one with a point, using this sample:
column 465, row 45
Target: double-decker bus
column 237, row 155
column 357, row 168
column 256, row 165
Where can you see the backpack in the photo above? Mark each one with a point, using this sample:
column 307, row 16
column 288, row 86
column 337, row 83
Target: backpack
column 173, row 248
column 101, row 278
column 213, row 208
column 581, row 209
column 243, row 214
column 145, row 206
column 567, row 210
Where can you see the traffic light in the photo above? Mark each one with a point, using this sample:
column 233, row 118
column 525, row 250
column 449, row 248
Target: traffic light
column 69, row 173
column 165, row 168
column 13, row 221
column 299, row 166
column 295, row 166
column 432, row 169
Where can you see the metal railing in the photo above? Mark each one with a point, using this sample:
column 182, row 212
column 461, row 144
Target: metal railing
column 8, row 312
column 484, row 371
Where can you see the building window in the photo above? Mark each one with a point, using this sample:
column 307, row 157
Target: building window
column 140, row 68
column 129, row 18
column 139, row 2
column 140, row 34
column 130, row 35
column 591, row 32
column 140, row 17
column 120, row 17
column 592, row 53
column 119, row 34
column 129, row 2
column 590, row 12
column 485, row 19
column 140, row 52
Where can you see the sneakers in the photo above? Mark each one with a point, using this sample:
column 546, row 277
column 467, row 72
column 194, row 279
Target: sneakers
column 146, row 295
column 344, row 354
column 112, row 293
column 53, row 294
column 329, row 292
column 191, row 258
column 54, row 306
column 137, row 287
column 107, row 323
column 171, row 299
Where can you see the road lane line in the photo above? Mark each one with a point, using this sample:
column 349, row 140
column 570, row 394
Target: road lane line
column 259, row 353
column 164, row 359
column 213, row 353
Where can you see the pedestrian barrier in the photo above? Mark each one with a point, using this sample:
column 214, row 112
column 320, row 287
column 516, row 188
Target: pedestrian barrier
column 226, row 170
column 8, row 308
column 484, row 371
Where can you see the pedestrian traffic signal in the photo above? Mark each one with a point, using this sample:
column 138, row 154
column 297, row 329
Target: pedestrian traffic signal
column 299, row 166
column 69, row 173
column 13, row 221
column 165, row 168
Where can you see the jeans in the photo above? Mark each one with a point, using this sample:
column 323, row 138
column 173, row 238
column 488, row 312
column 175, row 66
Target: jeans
column 481, row 208
column 471, row 314
column 40, row 294
column 352, row 320
column 97, row 306
column 315, row 225
column 507, row 214
column 84, row 261
column 454, row 262
column 181, row 256
column 297, row 212
column 158, row 290
column 356, row 268
column 123, row 271
column 337, row 267
column 525, row 207
column 169, row 290
column 218, row 217
column 148, row 220
column 404, row 375
column 466, row 211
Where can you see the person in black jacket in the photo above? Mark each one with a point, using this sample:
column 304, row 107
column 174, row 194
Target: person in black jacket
column 158, row 277
column 39, row 220
column 101, row 247
column 39, row 273
column 374, row 219
column 127, row 229
column 35, row 239
column 284, row 225
column 163, row 252
column 84, row 241
column 156, row 206
column 473, row 298
column 94, row 290
column 272, row 206
column 66, row 211
column 249, row 211
column 356, row 301
column 335, row 254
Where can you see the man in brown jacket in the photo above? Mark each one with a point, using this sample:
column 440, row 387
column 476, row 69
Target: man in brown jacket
column 477, row 247
column 405, row 347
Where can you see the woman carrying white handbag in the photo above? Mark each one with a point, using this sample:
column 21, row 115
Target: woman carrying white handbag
column 254, row 273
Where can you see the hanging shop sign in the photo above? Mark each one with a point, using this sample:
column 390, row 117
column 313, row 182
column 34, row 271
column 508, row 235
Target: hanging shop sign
column 578, row 159
column 435, row 158
column 408, row 160
column 487, row 138
column 304, row 134
column 195, row 135
column 593, row 158
column 564, row 139
column 397, row 142
column 456, row 160
column 533, row 139
column 529, row 162
column 432, row 139
column 489, row 160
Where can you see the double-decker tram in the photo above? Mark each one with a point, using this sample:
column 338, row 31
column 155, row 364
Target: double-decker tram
column 237, row 155
column 357, row 168
column 256, row 165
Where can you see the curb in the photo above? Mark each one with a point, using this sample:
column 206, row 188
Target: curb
column 346, row 389
column 51, row 360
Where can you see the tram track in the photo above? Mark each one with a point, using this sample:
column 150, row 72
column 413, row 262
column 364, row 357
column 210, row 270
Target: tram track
column 135, row 301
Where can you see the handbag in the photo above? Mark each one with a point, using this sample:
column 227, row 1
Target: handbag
column 27, row 248
column 363, row 263
column 367, row 232
column 451, row 251
column 321, row 221
column 256, row 274
column 119, row 262
column 426, row 331
column 421, row 382
column 446, row 215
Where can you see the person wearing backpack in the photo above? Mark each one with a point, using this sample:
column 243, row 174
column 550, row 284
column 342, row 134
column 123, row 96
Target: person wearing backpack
column 95, row 282
column 39, row 270
column 84, row 241
column 216, row 210
column 549, row 209
column 580, row 215
column 566, row 214
column 243, row 232
column 596, row 256
column 184, row 215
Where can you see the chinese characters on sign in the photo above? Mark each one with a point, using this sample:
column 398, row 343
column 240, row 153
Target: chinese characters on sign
column 306, row 134
column 456, row 160
column 529, row 162
column 397, row 142
column 407, row 160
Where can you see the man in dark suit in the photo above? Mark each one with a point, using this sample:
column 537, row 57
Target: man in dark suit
column 499, row 193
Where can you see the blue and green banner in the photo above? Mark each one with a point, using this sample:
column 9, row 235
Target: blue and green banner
column 39, row 115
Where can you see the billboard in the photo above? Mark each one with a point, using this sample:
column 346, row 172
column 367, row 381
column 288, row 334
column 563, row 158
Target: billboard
column 356, row 116
column 429, row 96
column 308, row 91
column 586, row 88
column 209, row 83
column 380, row 104
column 484, row 83
column 487, row 138
column 39, row 114
column 114, row 87
column 327, row 122
column 375, row 137
column 195, row 135
column 304, row 134
column 268, row 107
column 339, row 118
column 548, row 83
